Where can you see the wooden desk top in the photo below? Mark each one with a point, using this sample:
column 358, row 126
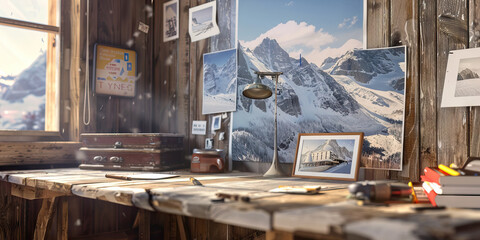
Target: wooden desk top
column 326, row 213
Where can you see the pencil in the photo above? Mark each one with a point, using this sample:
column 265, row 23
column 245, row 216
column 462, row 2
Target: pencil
column 448, row 170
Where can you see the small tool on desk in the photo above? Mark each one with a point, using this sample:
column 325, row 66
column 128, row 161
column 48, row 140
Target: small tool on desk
column 195, row 181
column 379, row 191
column 233, row 197
column 297, row 189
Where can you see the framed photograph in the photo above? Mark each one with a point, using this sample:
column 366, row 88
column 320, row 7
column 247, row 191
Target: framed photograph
column 170, row 20
column 219, row 82
column 202, row 21
column 115, row 71
column 328, row 155
column 462, row 79
column 216, row 122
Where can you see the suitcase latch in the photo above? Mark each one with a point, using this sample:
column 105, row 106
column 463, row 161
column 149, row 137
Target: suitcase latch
column 118, row 144
column 99, row 159
column 116, row 159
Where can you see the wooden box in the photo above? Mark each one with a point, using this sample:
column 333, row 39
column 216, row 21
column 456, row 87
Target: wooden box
column 133, row 152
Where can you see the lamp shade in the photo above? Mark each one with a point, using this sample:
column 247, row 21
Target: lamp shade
column 257, row 90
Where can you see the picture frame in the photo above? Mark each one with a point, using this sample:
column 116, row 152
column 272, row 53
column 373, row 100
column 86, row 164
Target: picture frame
column 219, row 81
column 115, row 72
column 462, row 79
column 216, row 122
column 170, row 20
column 202, row 21
column 328, row 155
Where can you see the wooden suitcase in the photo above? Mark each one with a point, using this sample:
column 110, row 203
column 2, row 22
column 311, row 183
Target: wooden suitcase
column 132, row 152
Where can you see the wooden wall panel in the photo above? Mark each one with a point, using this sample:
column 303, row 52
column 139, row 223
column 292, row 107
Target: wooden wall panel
column 378, row 35
column 427, row 49
column 474, row 41
column 404, row 31
column 452, row 122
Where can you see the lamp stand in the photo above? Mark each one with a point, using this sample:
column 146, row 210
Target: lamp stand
column 275, row 170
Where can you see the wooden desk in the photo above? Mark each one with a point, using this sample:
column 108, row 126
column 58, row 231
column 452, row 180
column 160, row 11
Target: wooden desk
column 280, row 215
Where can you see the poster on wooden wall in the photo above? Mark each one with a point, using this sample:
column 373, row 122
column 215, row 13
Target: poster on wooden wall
column 115, row 71
column 170, row 20
column 329, row 84
column 219, row 81
column 462, row 79
column 202, row 21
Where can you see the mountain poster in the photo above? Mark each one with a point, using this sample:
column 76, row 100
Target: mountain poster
column 329, row 84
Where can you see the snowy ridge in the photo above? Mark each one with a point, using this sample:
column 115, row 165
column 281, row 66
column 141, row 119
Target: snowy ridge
column 311, row 100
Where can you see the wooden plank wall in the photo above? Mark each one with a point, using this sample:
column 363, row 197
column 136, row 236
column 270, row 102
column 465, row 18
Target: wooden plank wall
column 170, row 83
column 433, row 135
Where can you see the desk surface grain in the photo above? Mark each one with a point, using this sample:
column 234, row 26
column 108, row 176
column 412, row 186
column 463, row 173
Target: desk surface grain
column 326, row 213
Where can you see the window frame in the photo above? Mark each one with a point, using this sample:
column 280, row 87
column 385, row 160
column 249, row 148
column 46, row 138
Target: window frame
column 31, row 148
column 53, row 111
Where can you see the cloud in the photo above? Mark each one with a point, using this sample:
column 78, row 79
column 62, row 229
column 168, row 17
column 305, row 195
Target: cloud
column 348, row 22
column 289, row 4
column 318, row 55
column 294, row 35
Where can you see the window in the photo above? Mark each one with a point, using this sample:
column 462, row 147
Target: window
column 29, row 43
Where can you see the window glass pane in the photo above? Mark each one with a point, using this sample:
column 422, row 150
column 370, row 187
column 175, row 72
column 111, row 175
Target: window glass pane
column 22, row 79
column 25, row 10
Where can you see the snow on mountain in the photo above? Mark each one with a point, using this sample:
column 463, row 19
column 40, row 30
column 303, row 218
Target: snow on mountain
column 220, row 79
column 328, row 64
column 309, row 100
column 220, row 84
column 29, row 81
column 365, row 65
column 23, row 99
column 467, row 74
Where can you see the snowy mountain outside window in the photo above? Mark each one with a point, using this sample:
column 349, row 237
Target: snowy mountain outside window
column 25, row 62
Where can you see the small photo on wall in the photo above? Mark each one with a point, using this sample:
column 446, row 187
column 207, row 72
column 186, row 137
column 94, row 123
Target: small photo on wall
column 202, row 21
column 170, row 20
column 462, row 79
column 219, row 82
column 216, row 122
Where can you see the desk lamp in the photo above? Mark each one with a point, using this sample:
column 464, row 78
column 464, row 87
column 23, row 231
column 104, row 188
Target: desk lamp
column 257, row 90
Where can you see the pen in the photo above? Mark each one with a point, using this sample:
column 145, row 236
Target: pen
column 448, row 170
column 118, row 177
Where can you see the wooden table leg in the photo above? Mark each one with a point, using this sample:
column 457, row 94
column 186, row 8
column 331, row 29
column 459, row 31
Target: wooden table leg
column 44, row 218
column 143, row 224
column 62, row 219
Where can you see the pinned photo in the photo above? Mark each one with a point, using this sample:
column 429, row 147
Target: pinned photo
column 202, row 21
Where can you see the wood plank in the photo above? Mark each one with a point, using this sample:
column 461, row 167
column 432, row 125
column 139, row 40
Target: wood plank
column 452, row 135
column 181, row 227
column 21, row 153
column 31, row 193
column 378, row 35
column 474, row 37
column 144, row 224
column 44, row 218
column 428, row 84
column 182, row 92
column 62, row 218
column 75, row 86
column 404, row 24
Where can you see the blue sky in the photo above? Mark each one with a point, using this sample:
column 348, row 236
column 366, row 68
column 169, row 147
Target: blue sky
column 218, row 58
column 315, row 28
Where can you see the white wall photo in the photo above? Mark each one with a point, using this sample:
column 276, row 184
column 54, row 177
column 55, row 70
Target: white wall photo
column 462, row 79
column 202, row 21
